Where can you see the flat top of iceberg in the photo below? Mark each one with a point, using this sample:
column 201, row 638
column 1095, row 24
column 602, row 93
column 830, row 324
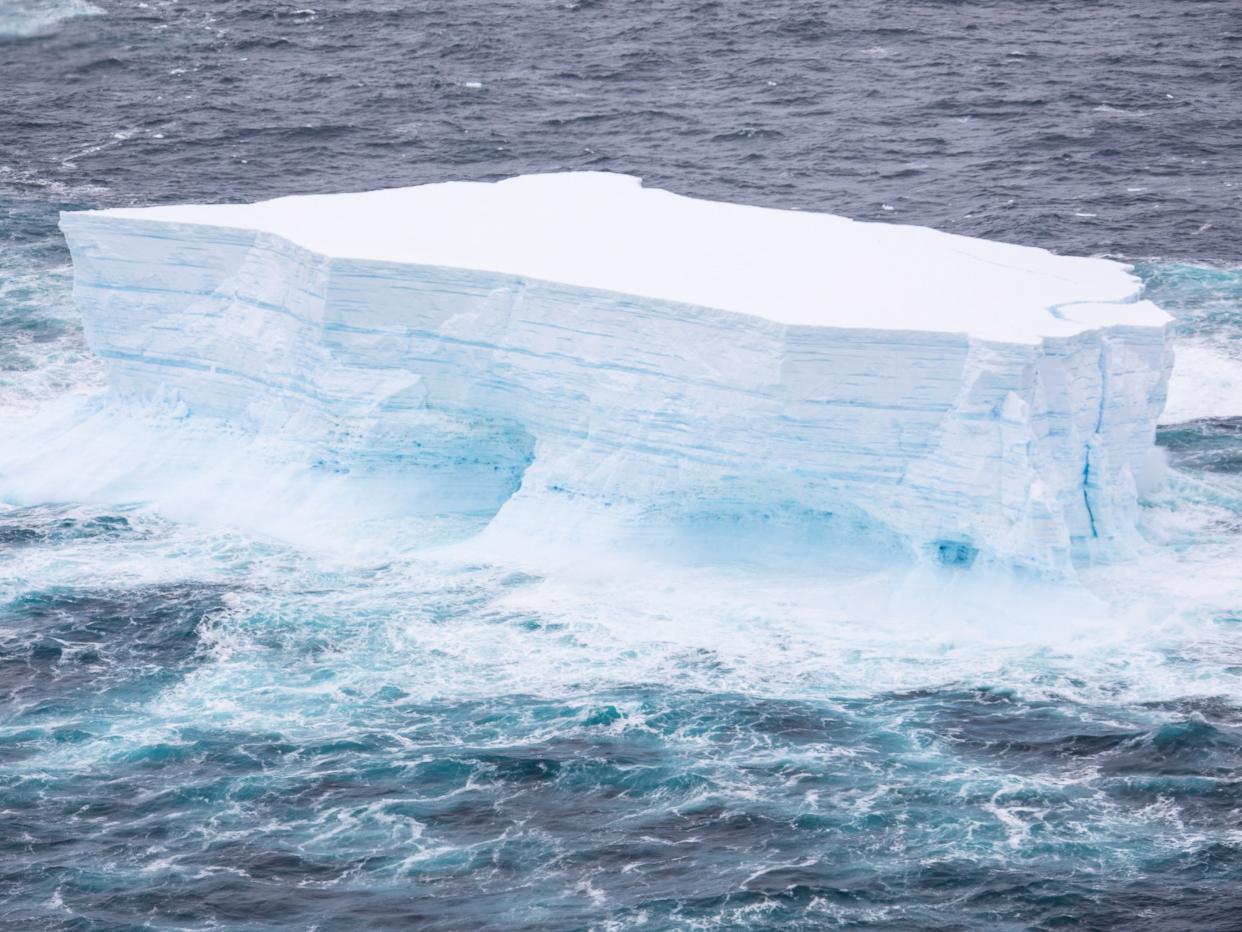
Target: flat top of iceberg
column 607, row 231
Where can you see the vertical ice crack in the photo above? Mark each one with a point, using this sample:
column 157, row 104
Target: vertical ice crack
column 1086, row 491
column 1102, row 363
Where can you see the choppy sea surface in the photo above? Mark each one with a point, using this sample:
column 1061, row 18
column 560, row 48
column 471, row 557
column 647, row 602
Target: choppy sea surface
column 201, row 728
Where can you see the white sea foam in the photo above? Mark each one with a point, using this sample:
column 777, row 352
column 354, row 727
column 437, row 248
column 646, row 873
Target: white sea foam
column 1206, row 382
column 437, row 631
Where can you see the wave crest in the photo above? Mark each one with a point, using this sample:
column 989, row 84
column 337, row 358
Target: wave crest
column 22, row 18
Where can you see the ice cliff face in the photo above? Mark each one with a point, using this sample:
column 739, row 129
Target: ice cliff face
column 587, row 359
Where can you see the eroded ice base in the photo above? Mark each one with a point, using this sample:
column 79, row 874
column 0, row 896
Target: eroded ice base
column 577, row 362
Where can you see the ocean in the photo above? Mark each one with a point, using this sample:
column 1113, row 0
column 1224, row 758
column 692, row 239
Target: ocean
column 205, row 728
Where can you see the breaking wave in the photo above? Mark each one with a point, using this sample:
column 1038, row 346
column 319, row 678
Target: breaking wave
column 22, row 18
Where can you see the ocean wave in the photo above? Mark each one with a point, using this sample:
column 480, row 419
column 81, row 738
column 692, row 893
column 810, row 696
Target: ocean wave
column 452, row 739
column 1206, row 383
column 1207, row 372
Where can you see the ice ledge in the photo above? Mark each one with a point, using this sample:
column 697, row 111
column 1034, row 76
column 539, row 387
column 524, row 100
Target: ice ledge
column 608, row 232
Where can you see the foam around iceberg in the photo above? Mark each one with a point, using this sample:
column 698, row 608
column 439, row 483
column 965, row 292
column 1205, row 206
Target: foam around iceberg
column 578, row 357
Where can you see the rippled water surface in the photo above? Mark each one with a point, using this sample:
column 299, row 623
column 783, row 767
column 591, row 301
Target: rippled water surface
column 201, row 728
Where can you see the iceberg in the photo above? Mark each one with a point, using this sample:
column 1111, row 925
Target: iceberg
column 579, row 357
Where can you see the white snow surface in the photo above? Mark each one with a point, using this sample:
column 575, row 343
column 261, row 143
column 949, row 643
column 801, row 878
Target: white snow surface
column 577, row 364
column 609, row 232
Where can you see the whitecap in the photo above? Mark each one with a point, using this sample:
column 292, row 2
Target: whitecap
column 22, row 18
column 1206, row 382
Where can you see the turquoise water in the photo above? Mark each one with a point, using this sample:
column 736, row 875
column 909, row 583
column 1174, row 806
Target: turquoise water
column 203, row 727
column 198, row 725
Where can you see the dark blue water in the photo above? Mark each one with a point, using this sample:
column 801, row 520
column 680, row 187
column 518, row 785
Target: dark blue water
column 201, row 729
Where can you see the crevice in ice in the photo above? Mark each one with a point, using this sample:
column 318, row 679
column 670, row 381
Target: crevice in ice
column 1102, row 364
column 1086, row 492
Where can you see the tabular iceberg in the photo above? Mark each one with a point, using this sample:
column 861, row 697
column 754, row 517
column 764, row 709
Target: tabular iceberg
column 576, row 354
